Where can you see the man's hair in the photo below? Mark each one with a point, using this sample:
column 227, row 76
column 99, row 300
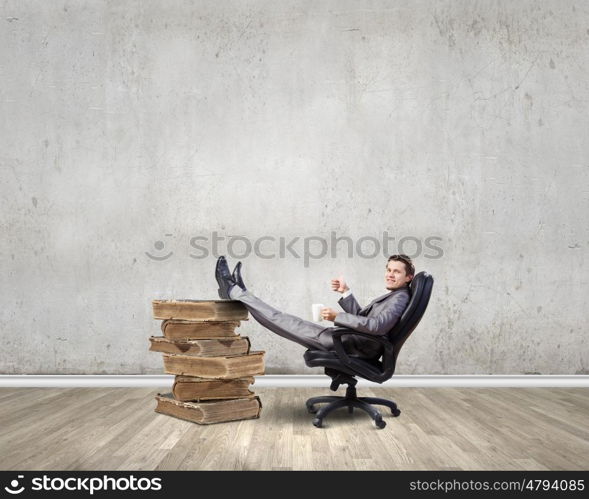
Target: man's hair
column 409, row 267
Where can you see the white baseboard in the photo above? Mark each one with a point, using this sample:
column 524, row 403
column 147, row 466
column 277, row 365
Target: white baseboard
column 289, row 380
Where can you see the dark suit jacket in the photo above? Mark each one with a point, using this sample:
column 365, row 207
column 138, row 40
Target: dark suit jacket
column 377, row 318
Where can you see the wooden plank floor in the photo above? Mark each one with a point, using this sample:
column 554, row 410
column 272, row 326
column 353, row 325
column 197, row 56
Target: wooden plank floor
column 439, row 429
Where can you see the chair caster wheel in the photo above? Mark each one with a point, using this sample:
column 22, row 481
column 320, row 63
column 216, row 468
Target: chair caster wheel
column 379, row 423
column 318, row 423
column 396, row 412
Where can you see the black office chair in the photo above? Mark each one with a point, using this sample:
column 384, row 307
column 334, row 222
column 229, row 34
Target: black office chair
column 343, row 368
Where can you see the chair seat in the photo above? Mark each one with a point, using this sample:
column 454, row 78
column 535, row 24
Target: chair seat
column 323, row 358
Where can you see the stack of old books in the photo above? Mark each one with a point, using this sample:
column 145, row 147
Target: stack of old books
column 213, row 364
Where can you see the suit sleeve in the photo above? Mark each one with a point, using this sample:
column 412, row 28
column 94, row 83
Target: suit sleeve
column 350, row 304
column 379, row 324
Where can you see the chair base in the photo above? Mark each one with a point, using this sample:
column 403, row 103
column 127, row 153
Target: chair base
column 351, row 401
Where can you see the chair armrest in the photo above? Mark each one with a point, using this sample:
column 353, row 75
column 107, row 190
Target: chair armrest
column 387, row 356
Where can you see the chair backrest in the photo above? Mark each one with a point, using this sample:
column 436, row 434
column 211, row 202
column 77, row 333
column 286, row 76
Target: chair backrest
column 421, row 290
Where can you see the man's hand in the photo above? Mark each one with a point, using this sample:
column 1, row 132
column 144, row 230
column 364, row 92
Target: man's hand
column 328, row 314
column 339, row 285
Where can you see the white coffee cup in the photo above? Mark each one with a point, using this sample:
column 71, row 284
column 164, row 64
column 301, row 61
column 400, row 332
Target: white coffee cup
column 316, row 311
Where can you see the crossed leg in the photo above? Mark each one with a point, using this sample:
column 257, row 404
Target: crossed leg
column 305, row 333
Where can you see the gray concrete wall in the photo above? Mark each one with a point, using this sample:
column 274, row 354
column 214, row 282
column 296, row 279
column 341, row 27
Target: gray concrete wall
column 129, row 127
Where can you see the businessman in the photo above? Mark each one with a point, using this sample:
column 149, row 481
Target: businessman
column 377, row 318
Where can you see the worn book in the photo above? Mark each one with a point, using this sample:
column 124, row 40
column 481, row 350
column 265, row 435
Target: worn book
column 209, row 412
column 193, row 388
column 230, row 366
column 211, row 347
column 199, row 310
column 175, row 329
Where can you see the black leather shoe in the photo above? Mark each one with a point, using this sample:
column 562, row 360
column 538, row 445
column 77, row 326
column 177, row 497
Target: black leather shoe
column 224, row 279
column 236, row 275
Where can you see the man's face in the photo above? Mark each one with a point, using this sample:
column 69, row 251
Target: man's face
column 395, row 275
